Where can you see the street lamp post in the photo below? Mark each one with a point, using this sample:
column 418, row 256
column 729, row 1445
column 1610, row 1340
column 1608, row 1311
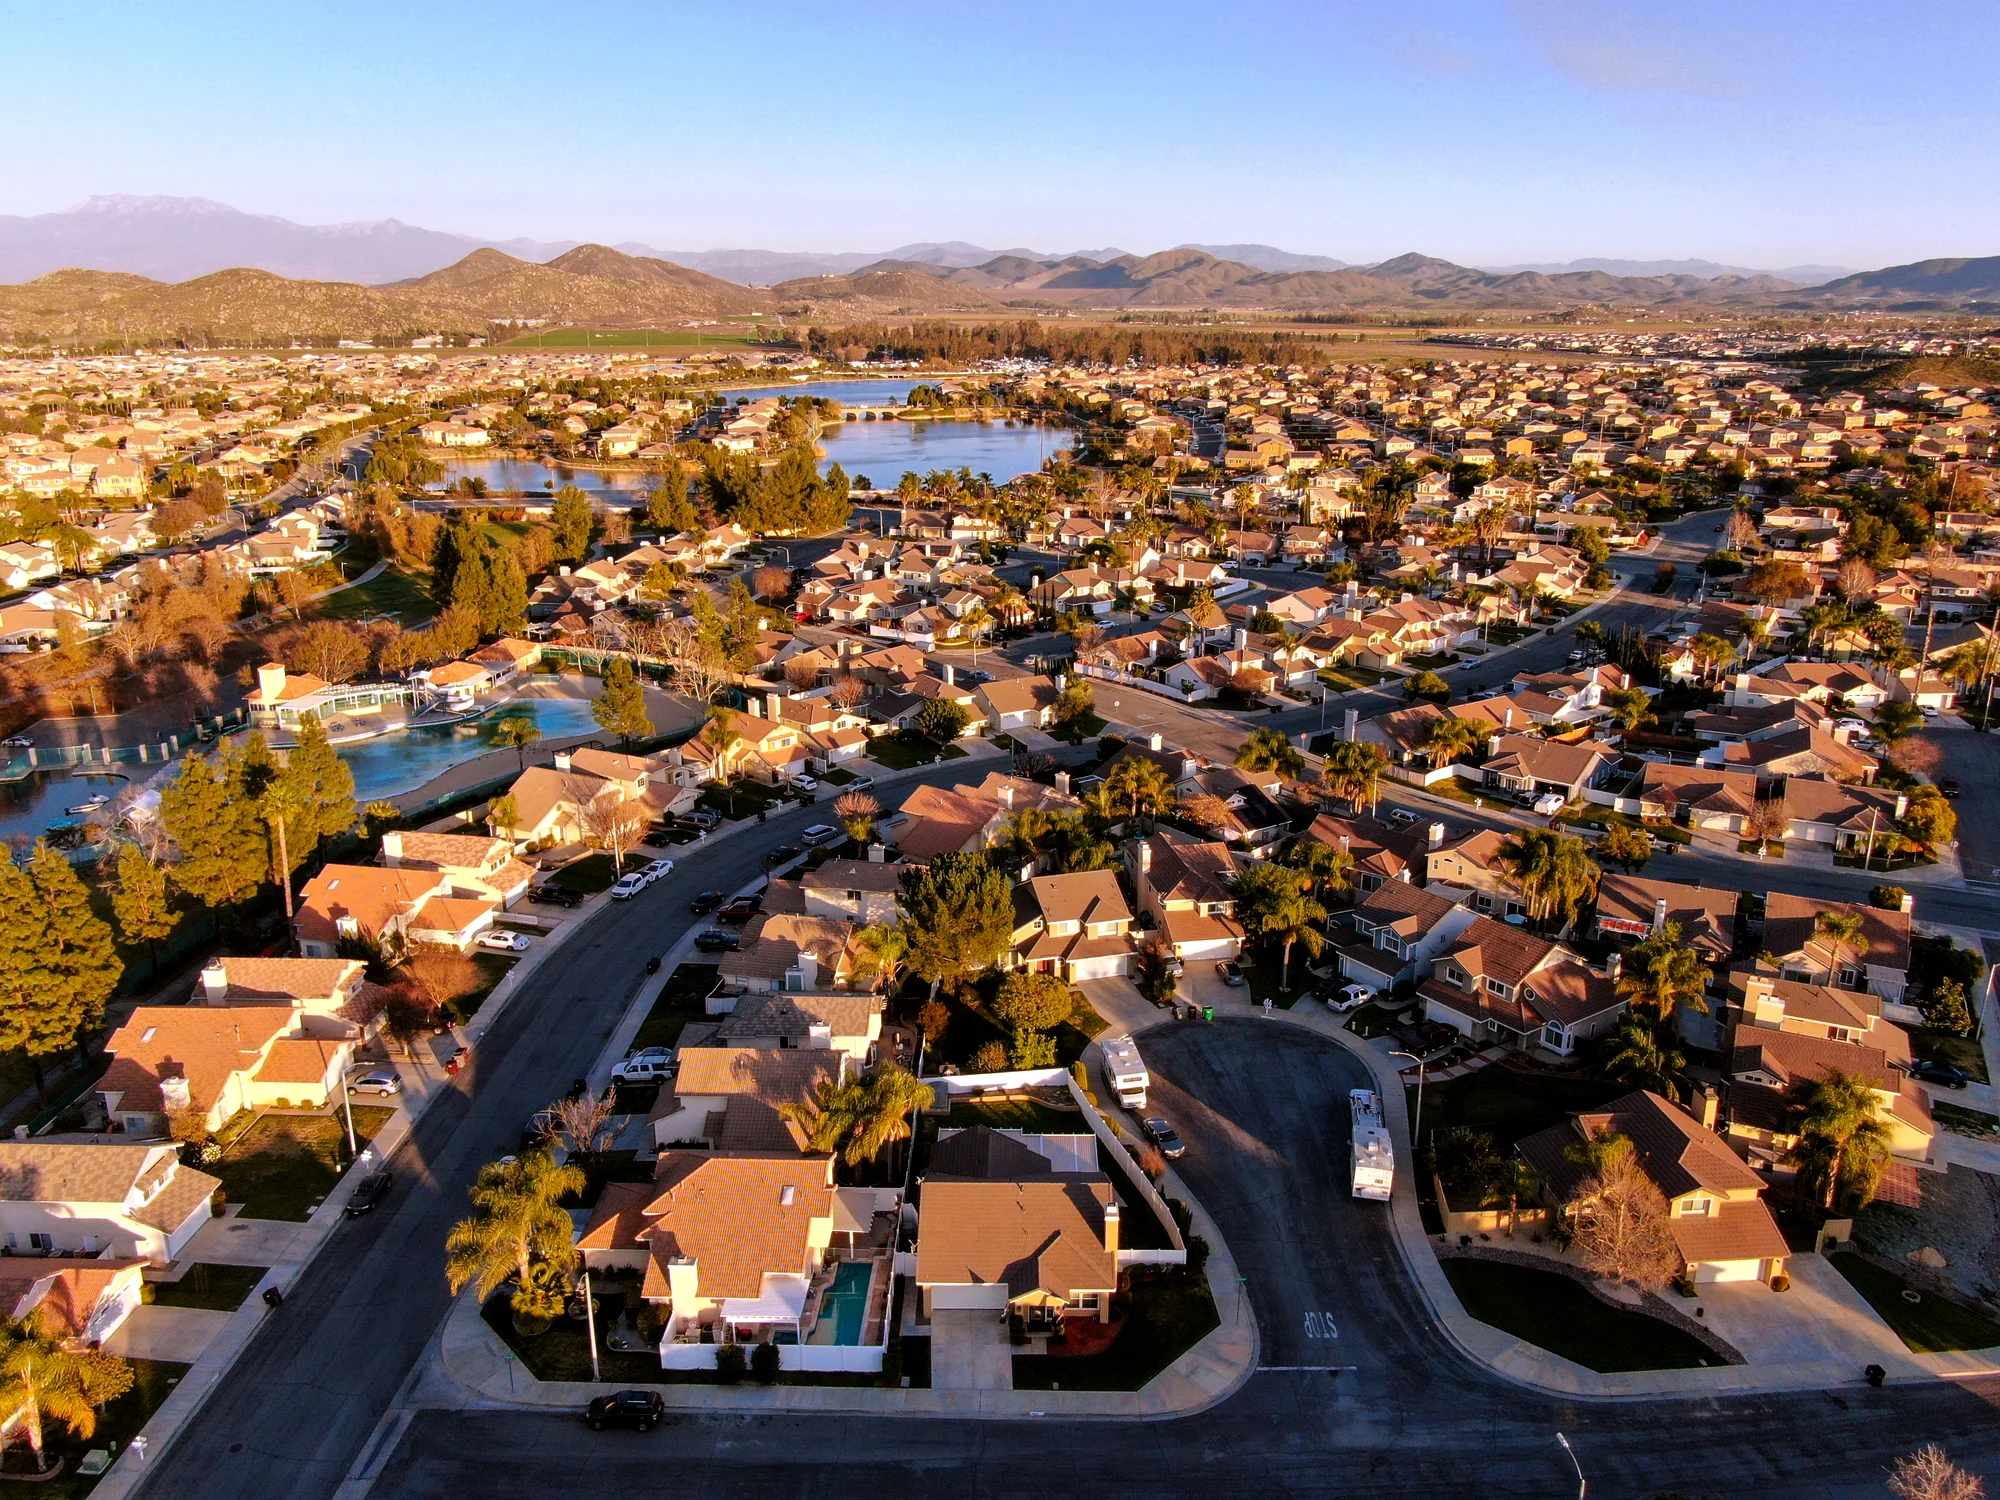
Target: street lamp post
column 1580, row 1485
column 1416, row 1122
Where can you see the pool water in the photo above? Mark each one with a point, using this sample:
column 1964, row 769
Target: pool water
column 404, row 761
column 27, row 807
column 844, row 1309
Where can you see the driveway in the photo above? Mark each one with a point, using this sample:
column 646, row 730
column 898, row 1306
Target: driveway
column 970, row 1352
column 178, row 1335
column 1821, row 1318
column 233, row 1240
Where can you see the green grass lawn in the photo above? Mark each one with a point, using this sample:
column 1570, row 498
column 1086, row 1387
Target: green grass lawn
column 1028, row 1115
column 1170, row 1311
column 390, row 592
column 492, row 968
column 627, row 338
column 902, row 752
column 1930, row 1325
column 679, row 1003
column 1509, row 1105
column 217, row 1288
column 1554, row 1313
column 1964, row 1052
column 117, row 1424
column 1603, row 819
column 283, row 1166
column 739, row 799
column 591, row 874
column 1507, row 635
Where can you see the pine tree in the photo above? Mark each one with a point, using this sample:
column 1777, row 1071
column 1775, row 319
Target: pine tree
column 621, row 707
column 222, row 850
column 30, row 989
column 572, row 518
column 81, row 949
column 446, row 558
column 742, row 623
column 139, row 901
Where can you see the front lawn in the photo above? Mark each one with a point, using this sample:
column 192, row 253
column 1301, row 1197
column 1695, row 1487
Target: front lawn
column 682, row 1001
column 1604, row 819
column 904, row 752
column 1962, row 1052
column 1166, row 1313
column 117, row 1424
column 283, row 1166
column 591, row 874
column 217, row 1288
column 1929, row 1325
column 492, row 968
column 739, row 799
column 1554, row 1313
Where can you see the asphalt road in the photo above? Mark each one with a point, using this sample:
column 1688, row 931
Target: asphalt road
column 289, row 1419
column 1261, row 1108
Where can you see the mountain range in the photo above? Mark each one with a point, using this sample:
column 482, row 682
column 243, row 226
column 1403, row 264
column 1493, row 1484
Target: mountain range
column 603, row 286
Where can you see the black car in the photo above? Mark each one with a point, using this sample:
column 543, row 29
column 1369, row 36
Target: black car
column 741, row 910
column 541, row 1125
column 1943, row 1074
column 555, row 895
column 783, row 854
column 370, row 1191
column 640, row 1409
column 1949, row 786
column 1163, row 1135
column 659, row 838
column 715, row 940
column 705, row 903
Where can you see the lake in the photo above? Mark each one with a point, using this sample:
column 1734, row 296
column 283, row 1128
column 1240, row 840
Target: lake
column 403, row 762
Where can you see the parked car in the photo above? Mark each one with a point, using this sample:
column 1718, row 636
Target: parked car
column 659, row 837
column 648, row 1066
column 715, row 940
column 706, row 902
column 541, row 1125
column 1163, row 1135
column 369, row 1191
column 1943, row 1074
column 705, row 817
column 657, row 869
column 1352, row 997
column 1230, row 974
column 1401, row 815
column 1174, row 964
column 1949, row 786
column 805, row 783
column 636, row 1409
column 860, row 784
column 629, row 885
column 1576, row 656
column 784, row 854
column 552, row 894
column 741, row 910
column 378, row 1078
column 820, row 834
column 503, row 942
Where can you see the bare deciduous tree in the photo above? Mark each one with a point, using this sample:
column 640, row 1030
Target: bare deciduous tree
column 1619, row 1218
column 585, row 1122
column 801, row 674
column 1928, row 1474
column 611, row 823
column 771, row 583
column 848, row 691
column 439, row 976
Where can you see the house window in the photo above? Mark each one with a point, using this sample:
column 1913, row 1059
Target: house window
column 1697, row 1208
column 40, row 1242
column 1456, row 975
column 1482, row 903
column 1850, row 978
column 1504, row 991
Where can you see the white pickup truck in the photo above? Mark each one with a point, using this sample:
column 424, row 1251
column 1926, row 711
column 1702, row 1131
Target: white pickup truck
column 649, row 1066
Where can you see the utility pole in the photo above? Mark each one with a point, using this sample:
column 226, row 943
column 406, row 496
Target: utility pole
column 590, row 1325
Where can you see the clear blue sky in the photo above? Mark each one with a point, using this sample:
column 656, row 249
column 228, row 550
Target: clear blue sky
column 1489, row 132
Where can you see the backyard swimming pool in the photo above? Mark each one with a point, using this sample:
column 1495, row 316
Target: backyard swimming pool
column 844, row 1309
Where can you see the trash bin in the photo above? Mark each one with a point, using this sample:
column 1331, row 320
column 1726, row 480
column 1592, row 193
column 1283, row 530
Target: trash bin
column 1208, row 1012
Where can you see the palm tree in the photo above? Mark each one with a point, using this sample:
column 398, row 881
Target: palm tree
column 1142, row 787
column 1896, row 721
column 1843, row 1146
column 1290, row 919
column 1644, row 1056
column 1553, row 871
column 1327, row 866
column 515, row 1222
column 1353, row 769
column 504, row 815
column 1449, row 737
column 516, row 732
column 1630, row 707
column 974, row 623
column 1841, row 932
column 722, row 721
column 1270, row 750
column 828, row 1118
column 879, row 952
column 39, row 1378
column 1659, row 974
column 892, row 1098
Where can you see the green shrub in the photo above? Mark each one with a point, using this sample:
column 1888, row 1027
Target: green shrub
column 729, row 1364
column 764, row 1361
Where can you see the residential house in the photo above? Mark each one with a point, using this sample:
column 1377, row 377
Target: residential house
column 1468, row 870
column 788, row 951
column 483, row 868
column 948, row 820
column 1398, row 930
column 1188, row 889
column 1018, row 703
column 215, row 1062
column 732, row 1098
column 1721, row 1226
column 1499, row 983
column 332, row 995
column 79, row 1300
column 362, row 904
column 130, row 1203
column 861, row 891
column 1633, row 907
column 1076, row 926
column 1526, row 767
column 841, row 1021
column 1877, row 961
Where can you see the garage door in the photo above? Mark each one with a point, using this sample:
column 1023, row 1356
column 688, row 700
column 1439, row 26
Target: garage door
column 1729, row 1270
column 1101, row 968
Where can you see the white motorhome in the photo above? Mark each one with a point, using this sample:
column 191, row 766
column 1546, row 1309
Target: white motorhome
column 1374, row 1162
column 1124, row 1072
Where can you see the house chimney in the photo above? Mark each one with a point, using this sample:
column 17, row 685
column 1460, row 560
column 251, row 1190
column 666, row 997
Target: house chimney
column 1111, row 1228
column 1707, row 1106
column 215, row 983
column 1434, row 836
column 1145, row 856
column 950, row 673
column 1351, row 725
column 1007, row 795
column 1507, row 717
column 1659, row 913
column 1614, row 966
column 876, row 854
column 753, row 706
column 271, row 680
column 1242, row 638
column 1062, row 782
column 562, row 760
column 1155, row 740
column 392, row 848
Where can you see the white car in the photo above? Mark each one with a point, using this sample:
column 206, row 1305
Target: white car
column 644, row 1067
column 629, row 886
column 805, row 783
column 659, row 869
column 503, row 942
column 1353, row 997
column 821, row 833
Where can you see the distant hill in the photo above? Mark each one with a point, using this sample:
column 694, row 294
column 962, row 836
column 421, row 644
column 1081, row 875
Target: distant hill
column 174, row 239
column 1270, row 258
column 1919, row 286
column 1705, row 269
column 1929, row 370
